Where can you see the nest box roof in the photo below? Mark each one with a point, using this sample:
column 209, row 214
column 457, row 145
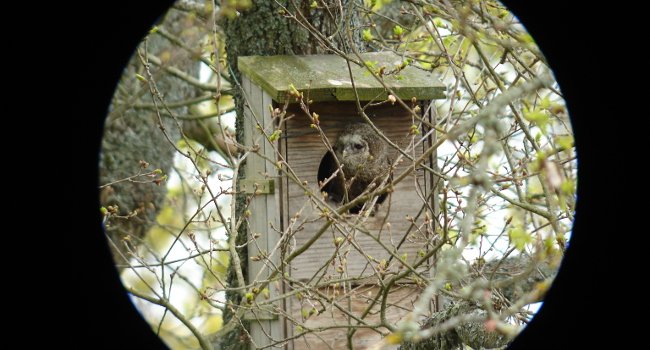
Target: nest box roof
column 326, row 77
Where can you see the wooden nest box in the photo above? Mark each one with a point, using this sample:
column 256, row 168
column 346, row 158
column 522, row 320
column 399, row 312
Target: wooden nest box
column 289, row 239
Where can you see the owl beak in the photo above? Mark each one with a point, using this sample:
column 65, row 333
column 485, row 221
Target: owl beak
column 345, row 153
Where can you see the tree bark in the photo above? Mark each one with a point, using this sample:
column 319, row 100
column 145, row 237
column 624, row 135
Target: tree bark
column 132, row 135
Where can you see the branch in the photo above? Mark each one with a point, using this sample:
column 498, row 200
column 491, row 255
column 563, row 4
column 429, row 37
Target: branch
column 180, row 74
column 166, row 304
column 179, row 42
column 176, row 104
column 475, row 323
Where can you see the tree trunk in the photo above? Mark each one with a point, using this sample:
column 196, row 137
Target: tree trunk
column 267, row 29
column 133, row 134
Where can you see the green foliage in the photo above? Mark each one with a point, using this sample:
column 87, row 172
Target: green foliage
column 398, row 31
column 519, row 238
column 275, row 135
column 480, row 228
column 568, row 187
column 141, row 78
column 566, row 142
column 249, row 297
column 537, row 116
column 371, row 64
column 367, row 35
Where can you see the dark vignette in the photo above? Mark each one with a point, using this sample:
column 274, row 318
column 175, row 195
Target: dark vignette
column 573, row 313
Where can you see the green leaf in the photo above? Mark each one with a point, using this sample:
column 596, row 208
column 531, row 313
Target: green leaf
column 536, row 116
column 398, row 31
column 479, row 228
column 249, row 297
column 526, row 38
column 140, row 77
column 371, row 64
column 404, row 63
column 276, row 135
column 566, row 142
column 367, row 35
column 293, row 91
column 568, row 187
column 519, row 238
column 450, row 40
column 545, row 103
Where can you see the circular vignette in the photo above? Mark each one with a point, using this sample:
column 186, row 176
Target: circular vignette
column 154, row 176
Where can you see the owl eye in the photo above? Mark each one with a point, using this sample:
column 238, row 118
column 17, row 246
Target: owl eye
column 358, row 146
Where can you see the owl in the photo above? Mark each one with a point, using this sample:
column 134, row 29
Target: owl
column 364, row 158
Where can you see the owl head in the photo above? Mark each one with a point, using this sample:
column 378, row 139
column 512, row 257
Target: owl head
column 355, row 147
column 351, row 146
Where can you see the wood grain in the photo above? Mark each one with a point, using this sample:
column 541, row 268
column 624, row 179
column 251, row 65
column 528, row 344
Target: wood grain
column 265, row 209
column 401, row 300
column 304, row 150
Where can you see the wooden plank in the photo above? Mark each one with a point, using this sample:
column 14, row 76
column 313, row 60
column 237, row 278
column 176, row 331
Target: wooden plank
column 264, row 212
column 326, row 77
column 400, row 302
column 254, row 168
column 276, row 327
column 283, row 204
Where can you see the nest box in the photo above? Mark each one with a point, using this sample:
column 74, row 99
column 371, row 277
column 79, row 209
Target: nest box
column 284, row 220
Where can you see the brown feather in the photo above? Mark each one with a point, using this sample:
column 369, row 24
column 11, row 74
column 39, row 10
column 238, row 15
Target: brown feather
column 364, row 158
